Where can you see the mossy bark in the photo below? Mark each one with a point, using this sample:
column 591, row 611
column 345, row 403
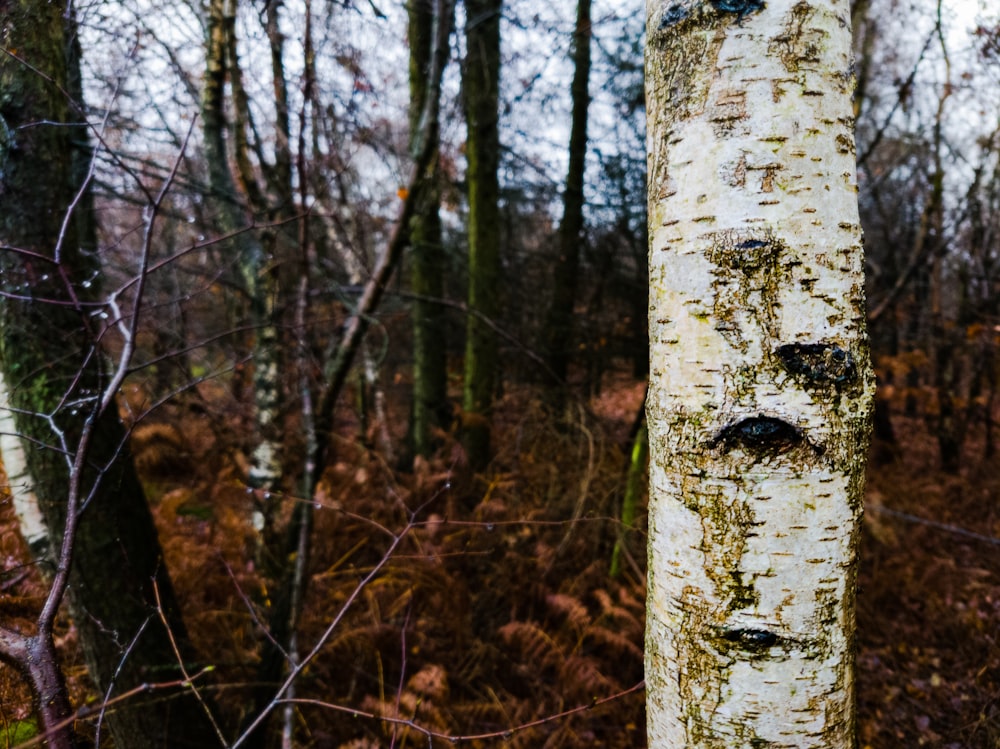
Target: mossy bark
column 481, row 85
column 52, row 368
column 430, row 397
column 760, row 384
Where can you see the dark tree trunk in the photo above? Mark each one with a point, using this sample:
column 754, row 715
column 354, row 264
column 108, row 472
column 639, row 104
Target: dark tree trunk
column 559, row 330
column 430, row 398
column 481, row 84
column 53, row 371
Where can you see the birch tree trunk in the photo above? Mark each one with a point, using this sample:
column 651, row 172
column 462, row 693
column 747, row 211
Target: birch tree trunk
column 221, row 66
column 760, row 384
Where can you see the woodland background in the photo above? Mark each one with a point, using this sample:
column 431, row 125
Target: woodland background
column 500, row 596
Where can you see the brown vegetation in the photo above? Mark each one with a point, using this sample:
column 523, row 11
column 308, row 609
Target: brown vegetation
column 495, row 619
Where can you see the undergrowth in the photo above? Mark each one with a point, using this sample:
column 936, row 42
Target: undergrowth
column 496, row 620
column 929, row 601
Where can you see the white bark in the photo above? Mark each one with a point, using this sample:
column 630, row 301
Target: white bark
column 19, row 483
column 760, row 382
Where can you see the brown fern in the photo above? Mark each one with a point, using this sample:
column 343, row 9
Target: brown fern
column 534, row 645
column 160, row 451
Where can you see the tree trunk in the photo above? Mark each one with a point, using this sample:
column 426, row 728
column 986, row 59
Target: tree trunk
column 560, row 318
column 255, row 267
column 52, row 369
column 760, row 384
column 430, row 397
column 481, row 84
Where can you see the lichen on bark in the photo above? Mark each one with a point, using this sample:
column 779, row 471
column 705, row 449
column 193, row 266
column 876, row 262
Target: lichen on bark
column 761, row 385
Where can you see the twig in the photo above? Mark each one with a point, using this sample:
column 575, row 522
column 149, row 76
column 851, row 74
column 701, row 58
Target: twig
column 957, row 530
column 188, row 682
column 13, row 580
column 114, row 677
column 402, row 670
column 583, row 490
column 511, row 338
column 505, row 734
column 60, row 580
column 251, row 609
column 323, row 639
column 130, row 333
column 85, row 713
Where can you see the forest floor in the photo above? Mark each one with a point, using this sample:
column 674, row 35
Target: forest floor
column 929, row 598
column 496, row 619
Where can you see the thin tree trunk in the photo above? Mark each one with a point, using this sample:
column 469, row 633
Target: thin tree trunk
column 564, row 281
column 630, row 501
column 319, row 420
column 254, row 265
column 760, row 382
column 944, row 350
column 481, row 83
column 266, row 269
column 430, row 396
column 76, row 452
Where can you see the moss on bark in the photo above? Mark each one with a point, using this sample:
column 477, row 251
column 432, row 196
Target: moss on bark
column 53, row 368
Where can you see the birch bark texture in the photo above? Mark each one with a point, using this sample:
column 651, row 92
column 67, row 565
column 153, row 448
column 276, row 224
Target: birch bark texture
column 761, row 386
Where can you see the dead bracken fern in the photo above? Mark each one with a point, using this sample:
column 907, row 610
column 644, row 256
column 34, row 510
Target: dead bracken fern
column 161, row 451
column 489, row 618
column 478, row 627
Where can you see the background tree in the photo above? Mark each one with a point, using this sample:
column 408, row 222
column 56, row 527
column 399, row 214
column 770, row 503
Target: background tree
column 430, row 375
column 921, row 180
column 480, row 90
column 760, row 383
column 559, row 328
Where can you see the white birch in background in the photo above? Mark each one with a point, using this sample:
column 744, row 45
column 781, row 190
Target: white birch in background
column 19, row 483
column 760, row 382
